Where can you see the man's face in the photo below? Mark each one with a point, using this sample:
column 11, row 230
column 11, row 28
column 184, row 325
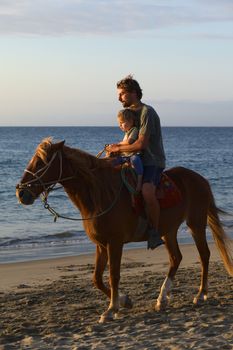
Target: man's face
column 126, row 98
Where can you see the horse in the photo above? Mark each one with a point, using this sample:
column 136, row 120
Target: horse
column 95, row 187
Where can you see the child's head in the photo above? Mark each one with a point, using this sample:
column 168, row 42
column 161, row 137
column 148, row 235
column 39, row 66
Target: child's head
column 126, row 119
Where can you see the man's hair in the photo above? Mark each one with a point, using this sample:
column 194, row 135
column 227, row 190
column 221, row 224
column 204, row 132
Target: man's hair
column 130, row 85
column 126, row 115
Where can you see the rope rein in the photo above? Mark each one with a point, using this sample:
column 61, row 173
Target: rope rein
column 57, row 215
column 130, row 188
column 99, row 154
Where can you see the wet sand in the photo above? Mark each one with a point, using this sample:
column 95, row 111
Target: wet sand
column 52, row 304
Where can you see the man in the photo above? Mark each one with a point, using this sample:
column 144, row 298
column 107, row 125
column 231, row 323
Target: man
column 150, row 144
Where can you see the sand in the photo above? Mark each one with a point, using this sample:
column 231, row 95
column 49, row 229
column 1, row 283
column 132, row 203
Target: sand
column 52, row 304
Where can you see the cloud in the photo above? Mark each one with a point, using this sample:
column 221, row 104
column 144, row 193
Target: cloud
column 75, row 17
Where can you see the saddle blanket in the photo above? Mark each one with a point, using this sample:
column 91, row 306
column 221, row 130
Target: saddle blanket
column 167, row 193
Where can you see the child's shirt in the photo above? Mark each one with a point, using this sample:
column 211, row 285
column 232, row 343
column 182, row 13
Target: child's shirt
column 131, row 136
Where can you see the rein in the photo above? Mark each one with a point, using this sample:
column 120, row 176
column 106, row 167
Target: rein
column 57, row 215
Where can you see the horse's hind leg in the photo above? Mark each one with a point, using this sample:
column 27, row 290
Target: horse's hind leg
column 199, row 236
column 175, row 259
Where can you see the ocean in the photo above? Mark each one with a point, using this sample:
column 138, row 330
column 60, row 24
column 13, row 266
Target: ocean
column 29, row 233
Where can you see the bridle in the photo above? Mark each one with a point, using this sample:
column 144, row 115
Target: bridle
column 38, row 178
column 50, row 186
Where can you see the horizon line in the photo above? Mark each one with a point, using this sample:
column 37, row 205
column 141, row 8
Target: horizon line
column 111, row 126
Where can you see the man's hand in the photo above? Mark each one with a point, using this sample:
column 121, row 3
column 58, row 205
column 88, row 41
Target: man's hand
column 113, row 148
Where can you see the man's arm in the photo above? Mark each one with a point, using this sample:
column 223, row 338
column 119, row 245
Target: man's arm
column 140, row 144
column 124, row 142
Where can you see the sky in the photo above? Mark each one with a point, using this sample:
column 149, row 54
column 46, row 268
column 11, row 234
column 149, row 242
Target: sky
column 61, row 59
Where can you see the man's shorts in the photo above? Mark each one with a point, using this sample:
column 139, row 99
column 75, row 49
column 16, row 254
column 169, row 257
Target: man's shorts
column 152, row 174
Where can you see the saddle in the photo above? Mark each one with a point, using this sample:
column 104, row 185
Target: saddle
column 167, row 192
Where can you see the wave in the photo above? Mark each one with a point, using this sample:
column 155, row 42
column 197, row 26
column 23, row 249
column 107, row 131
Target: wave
column 60, row 238
column 68, row 237
column 228, row 224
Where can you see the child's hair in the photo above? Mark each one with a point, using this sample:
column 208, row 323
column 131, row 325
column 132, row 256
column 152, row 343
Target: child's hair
column 126, row 115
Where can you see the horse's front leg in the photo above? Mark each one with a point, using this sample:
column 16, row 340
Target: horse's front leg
column 114, row 250
column 100, row 264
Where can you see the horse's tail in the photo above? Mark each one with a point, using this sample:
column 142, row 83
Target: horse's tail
column 221, row 239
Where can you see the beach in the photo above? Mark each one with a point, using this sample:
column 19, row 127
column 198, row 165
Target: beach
column 52, row 304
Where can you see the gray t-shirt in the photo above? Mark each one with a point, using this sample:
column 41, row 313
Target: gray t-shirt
column 148, row 123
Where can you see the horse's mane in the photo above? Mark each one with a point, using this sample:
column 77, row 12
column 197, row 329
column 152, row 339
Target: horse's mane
column 43, row 148
column 98, row 174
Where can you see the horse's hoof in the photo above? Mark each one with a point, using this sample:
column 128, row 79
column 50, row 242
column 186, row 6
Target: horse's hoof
column 126, row 302
column 161, row 305
column 106, row 317
column 200, row 299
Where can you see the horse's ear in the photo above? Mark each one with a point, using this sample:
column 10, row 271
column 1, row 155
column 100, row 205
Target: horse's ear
column 58, row 146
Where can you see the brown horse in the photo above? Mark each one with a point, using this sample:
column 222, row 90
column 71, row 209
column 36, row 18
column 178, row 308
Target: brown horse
column 95, row 187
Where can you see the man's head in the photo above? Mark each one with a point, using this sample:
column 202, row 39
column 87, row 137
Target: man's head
column 129, row 91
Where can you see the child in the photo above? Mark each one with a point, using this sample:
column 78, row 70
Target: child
column 126, row 120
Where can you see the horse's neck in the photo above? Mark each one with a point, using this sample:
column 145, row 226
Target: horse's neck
column 79, row 197
column 92, row 186
column 76, row 187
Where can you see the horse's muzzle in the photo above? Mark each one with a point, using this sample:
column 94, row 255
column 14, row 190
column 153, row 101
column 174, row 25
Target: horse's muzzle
column 24, row 195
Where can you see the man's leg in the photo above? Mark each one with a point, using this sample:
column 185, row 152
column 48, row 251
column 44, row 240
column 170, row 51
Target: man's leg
column 136, row 163
column 152, row 205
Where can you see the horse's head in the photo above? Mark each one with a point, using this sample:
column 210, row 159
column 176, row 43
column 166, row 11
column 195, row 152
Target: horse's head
column 43, row 172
